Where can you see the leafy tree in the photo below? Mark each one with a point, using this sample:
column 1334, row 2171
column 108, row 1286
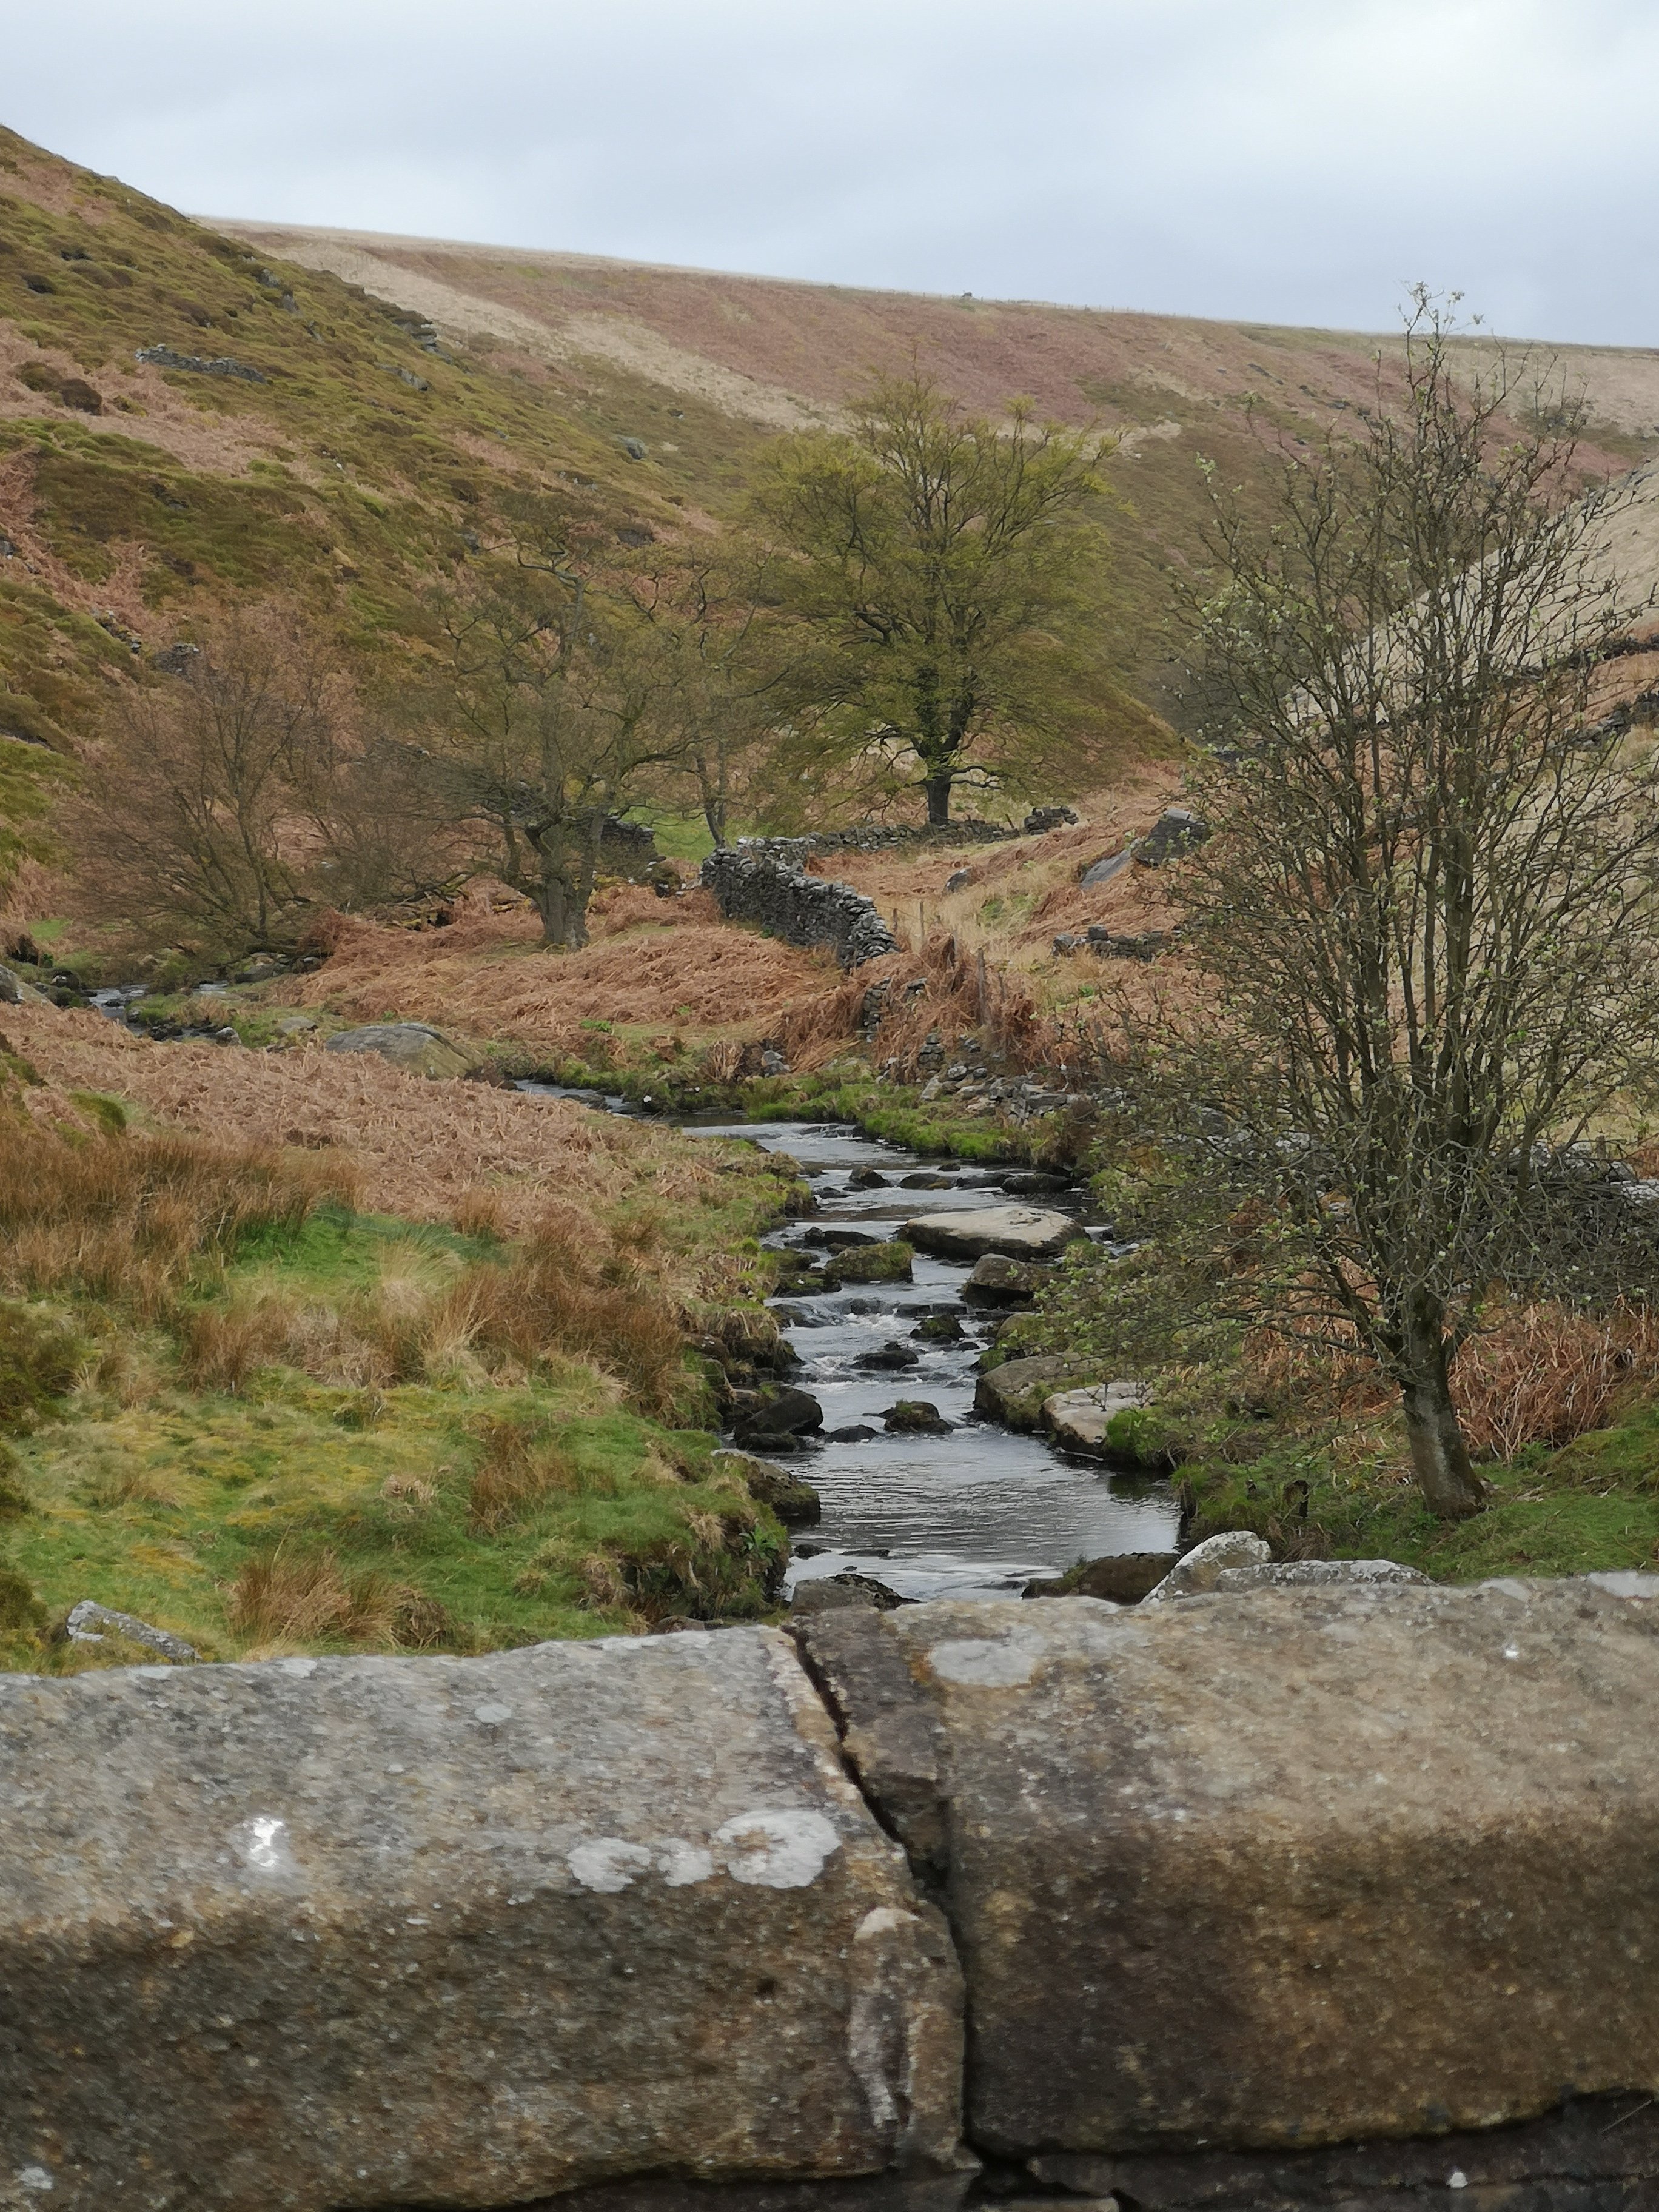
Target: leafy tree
column 940, row 576
column 1427, row 910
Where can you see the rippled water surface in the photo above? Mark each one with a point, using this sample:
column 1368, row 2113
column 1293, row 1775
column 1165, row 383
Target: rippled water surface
column 980, row 1511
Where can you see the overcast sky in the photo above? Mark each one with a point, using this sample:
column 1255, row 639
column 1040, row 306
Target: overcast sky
column 1293, row 161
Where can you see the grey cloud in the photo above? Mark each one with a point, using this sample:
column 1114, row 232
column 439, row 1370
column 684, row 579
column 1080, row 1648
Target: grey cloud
column 1283, row 160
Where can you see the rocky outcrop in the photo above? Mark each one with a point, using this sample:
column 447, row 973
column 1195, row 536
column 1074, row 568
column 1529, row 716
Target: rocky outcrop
column 320, row 1932
column 1196, row 1571
column 1080, row 1420
column 1016, row 1392
column 749, row 885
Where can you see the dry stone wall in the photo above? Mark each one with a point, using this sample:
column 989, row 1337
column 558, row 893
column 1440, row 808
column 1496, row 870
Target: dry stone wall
column 750, row 883
column 1316, row 1895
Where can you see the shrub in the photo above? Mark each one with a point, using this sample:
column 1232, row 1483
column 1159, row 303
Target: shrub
column 282, row 1596
column 518, row 1470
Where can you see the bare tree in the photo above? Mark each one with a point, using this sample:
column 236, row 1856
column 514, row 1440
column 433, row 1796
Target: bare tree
column 552, row 707
column 1427, row 908
column 188, row 825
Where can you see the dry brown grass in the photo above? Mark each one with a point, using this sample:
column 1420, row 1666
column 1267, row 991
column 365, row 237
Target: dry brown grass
column 282, row 1597
column 1537, row 1375
column 403, row 1145
column 517, row 1472
column 129, row 1217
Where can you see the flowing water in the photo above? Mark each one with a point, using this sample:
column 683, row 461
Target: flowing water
column 978, row 1512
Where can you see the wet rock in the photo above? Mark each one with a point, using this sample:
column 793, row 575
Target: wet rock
column 915, row 1417
column 1015, row 1392
column 796, row 1503
column 88, row 1622
column 940, row 1328
column 926, row 1182
column 866, row 1179
column 839, row 1240
column 1022, row 1232
column 1195, row 1571
column 855, row 1432
column 1122, row 1578
column 843, row 1592
column 783, row 1412
column 413, row 1046
column 872, row 1263
column 384, row 1931
column 1034, row 1182
column 888, row 1359
column 1079, row 1420
column 1315, row 1574
column 999, row 1281
column 1410, row 1831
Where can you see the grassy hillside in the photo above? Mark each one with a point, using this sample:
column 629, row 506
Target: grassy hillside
column 766, row 354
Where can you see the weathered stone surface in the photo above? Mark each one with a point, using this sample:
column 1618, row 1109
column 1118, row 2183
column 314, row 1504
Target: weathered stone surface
column 1195, row 1571
column 873, row 1263
column 1328, row 1864
column 1583, row 2158
column 819, row 1594
column 411, row 1045
column 999, row 1281
column 323, row 1933
column 1078, row 1419
column 796, row 1503
column 1314, row 1574
column 752, row 883
column 915, row 1417
column 1022, row 1232
column 88, row 1622
column 782, row 1411
column 1103, row 870
column 1016, row 1392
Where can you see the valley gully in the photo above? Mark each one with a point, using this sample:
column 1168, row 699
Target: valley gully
column 979, row 1511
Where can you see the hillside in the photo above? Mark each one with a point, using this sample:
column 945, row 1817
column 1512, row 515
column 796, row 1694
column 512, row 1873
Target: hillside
column 768, row 354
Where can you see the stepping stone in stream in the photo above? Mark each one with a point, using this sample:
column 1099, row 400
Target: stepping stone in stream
column 888, row 1359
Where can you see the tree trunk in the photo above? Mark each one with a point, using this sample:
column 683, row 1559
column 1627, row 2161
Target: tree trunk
column 938, row 789
column 1440, row 1458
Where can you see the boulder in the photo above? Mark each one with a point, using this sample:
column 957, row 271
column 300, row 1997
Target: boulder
column 871, row 1263
column 410, row 1045
column 15, row 991
column 1016, row 1392
column 1022, row 1232
column 915, row 1417
column 783, row 1412
column 1079, row 1420
column 1315, row 1574
column 1103, row 870
column 1120, row 1579
column 796, row 1503
column 330, row 1932
column 888, row 1359
column 1174, row 830
column 1195, row 1571
column 840, row 1593
column 1337, row 1864
column 999, row 1281
column 88, row 1622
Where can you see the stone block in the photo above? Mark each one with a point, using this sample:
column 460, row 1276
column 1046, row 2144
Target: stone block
column 356, row 1932
column 1317, row 1866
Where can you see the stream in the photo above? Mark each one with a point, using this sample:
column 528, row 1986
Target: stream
column 979, row 1512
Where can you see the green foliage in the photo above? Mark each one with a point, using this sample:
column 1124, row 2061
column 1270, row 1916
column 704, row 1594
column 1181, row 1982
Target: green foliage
column 939, row 575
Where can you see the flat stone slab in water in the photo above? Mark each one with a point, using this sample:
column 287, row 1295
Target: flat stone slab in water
column 1022, row 1232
